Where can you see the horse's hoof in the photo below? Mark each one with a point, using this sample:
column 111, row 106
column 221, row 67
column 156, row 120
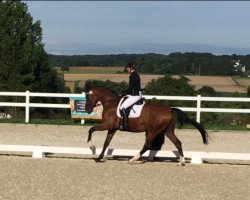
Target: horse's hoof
column 181, row 164
column 93, row 149
column 99, row 160
column 136, row 162
column 131, row 162
column 182, row 161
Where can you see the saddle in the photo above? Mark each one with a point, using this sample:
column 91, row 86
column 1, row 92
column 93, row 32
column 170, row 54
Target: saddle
column 134, row 110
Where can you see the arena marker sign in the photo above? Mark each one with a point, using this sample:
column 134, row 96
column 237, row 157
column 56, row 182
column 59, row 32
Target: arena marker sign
column 77, row 107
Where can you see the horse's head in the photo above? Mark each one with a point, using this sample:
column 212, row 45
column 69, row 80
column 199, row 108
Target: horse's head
column 101, row 94
column 91, row 101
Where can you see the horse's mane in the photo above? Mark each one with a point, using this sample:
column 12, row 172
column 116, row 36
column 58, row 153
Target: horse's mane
column 107, row 89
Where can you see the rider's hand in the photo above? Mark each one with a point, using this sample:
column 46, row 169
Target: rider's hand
column 124, row 93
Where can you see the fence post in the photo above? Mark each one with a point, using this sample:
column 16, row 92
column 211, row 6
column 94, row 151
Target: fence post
column 83, row 120
column 27, row 107
column 198, row 112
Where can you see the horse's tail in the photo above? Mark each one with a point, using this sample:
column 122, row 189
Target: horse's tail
column 182, row 118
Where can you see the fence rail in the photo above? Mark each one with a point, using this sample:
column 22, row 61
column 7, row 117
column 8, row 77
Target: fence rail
column 198, row 109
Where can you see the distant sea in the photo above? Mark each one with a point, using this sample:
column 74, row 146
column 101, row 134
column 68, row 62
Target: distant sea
column 102, row 49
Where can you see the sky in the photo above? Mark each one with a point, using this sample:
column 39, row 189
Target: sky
column 112, row 27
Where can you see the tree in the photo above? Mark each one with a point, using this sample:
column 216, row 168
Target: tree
column 23, row 60
column 207, row 91
column 168, row 85
column 20, row 44
column 115, row 87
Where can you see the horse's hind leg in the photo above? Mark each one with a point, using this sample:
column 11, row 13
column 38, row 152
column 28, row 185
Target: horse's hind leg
column 137, row 156
column 170, row 134
column 149, row 140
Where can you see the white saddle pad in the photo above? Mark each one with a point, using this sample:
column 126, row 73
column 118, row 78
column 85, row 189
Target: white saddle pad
column 135, row 111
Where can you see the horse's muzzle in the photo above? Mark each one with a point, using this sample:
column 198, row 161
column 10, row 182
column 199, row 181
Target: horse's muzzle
column 88, row 107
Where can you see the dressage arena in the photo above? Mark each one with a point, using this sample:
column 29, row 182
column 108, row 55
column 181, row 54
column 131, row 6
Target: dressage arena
column 78, row 176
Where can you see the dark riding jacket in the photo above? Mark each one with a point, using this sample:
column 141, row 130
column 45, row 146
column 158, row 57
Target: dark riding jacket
column 134, row 84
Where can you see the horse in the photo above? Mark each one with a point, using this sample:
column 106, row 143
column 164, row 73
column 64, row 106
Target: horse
column 155, row 119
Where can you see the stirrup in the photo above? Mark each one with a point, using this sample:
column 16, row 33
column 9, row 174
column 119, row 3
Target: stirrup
column 124, row 128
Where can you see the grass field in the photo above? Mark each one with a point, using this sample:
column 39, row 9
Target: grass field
column 219, row 83
column 94, row 70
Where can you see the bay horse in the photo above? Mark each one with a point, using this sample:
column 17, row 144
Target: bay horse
column 155, row 119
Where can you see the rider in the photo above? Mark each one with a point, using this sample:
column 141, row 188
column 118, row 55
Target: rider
column 133, row 94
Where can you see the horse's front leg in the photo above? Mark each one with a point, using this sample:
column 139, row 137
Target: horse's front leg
column 106, row 144
column 100, row 127
column 89, row 141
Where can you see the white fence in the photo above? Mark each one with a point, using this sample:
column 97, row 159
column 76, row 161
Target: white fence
column 198, row 109
column 196, row 157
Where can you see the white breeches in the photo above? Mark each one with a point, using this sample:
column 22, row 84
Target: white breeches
column 129, row 101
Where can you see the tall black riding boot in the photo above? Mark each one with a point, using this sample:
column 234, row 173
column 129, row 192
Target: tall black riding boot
column 125, row 122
